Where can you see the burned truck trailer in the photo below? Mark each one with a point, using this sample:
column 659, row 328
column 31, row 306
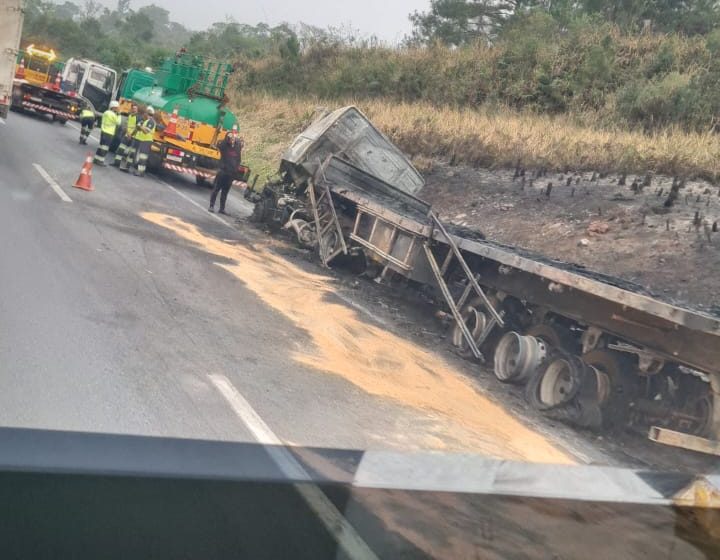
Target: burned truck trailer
column 591, row 349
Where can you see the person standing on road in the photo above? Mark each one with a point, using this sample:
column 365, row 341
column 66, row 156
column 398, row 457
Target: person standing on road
column 139, row 151
column 87, row 122
column 127, row 139
column 108, row 126
column 230, row 154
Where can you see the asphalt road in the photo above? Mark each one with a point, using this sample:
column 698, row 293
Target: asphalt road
column 113, row 324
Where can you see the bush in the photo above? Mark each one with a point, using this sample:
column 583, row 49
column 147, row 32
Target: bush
column 656, row 102
column 588, row 67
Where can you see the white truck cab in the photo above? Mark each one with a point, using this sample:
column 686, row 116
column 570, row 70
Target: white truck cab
column 94, row 82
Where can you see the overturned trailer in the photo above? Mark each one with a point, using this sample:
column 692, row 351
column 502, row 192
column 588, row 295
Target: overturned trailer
column 591, row 349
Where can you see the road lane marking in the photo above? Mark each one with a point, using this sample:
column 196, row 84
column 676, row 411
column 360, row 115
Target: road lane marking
column 191, row 201
column 52, row 183
column 2, row 121
column 344, row 534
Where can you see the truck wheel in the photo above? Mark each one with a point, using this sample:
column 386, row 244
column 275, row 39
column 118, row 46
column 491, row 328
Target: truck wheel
column 59, row 120
column 614, row 385
column 201, row 181
column 261, row 211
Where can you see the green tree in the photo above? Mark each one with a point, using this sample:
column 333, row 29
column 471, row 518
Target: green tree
column 67, row 10
column 138, row 27
column 457, row 22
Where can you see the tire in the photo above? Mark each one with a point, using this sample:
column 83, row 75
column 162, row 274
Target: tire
column 614, row 402
column 202, row 181
column 261, row 211
column 556, row 336
column 487, row 348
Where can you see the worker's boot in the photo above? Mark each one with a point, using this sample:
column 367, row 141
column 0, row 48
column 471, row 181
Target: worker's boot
column 211, row 209
column 222, row 211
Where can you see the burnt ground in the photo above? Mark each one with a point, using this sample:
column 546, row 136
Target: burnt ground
column 618, row 230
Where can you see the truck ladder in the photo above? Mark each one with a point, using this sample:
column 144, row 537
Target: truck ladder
column 439, row 272
column 327, row 225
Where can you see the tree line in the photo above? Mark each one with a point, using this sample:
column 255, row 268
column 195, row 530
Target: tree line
column 458, row 22
column 648, row 63
column 124, row 37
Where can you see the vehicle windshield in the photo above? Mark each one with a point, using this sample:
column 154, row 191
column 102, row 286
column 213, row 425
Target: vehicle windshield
column 101, row 78
column 443, row 274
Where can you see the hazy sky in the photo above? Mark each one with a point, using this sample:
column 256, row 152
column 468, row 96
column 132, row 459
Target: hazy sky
column 388, row 19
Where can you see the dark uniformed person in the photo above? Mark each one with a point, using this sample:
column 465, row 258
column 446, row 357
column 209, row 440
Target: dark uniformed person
column 126, row 143
column 108, row 126
column 87, row 122
column 230, row 154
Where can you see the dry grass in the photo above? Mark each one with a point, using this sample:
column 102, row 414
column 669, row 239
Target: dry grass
column 486, row 138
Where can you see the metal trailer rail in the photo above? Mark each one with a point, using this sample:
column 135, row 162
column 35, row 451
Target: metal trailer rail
column 392, row 227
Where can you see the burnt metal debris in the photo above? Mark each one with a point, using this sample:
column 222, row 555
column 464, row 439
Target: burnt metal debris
column 613, row 354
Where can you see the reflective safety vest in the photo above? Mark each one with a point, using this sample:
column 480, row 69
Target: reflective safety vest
column 110, row 121
column 87, row 113
column 146, row 136
column 131, row 124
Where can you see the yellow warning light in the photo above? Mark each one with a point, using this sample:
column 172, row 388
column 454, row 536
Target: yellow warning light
column 34, row 51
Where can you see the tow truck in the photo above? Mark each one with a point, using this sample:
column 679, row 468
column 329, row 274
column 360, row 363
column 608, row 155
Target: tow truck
column 37, row 86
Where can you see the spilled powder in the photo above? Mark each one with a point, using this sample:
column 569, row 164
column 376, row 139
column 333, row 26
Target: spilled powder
column 378, row 362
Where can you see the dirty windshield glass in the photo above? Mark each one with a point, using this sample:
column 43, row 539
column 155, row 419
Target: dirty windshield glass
column 412, row 279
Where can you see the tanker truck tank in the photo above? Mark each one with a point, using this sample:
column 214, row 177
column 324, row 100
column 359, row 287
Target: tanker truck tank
column 197, row 108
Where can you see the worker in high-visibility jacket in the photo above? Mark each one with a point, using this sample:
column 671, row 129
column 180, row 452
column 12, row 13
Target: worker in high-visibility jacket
column 108, row 127
column 127, row 139
column 143, row 139
column 87, row 121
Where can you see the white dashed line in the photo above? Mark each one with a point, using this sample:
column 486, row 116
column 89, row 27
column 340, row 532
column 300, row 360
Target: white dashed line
column 345, row 535
column 52, row 183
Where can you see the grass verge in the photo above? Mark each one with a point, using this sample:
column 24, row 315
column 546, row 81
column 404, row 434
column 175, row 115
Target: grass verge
column 487, row 138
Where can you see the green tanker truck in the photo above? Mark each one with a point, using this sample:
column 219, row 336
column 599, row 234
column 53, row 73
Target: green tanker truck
column 188, row 95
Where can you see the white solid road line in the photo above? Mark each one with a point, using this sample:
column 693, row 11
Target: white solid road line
column 52, row 183
column 191, row 201
column 344, row 534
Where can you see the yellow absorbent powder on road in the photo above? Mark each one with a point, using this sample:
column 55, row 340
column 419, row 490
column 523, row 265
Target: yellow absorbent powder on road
column 373, row 359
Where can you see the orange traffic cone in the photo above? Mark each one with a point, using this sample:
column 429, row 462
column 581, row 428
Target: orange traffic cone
column 84, row 181
column 20, row 72
column 171, row 128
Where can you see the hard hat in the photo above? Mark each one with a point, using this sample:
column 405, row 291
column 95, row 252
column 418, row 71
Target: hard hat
column 150, row 111
column 114, row 104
